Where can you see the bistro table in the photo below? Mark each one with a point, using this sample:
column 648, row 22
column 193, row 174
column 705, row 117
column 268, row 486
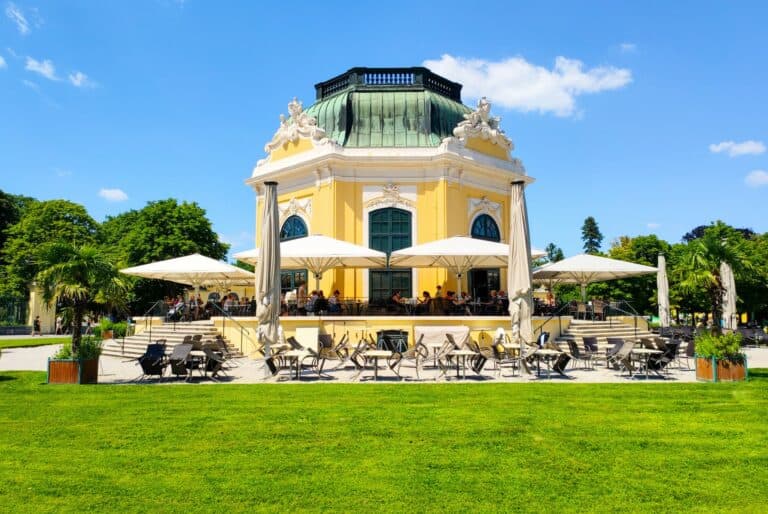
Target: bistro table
column 644, row 355
column 294, row 358
column 461, row 360
column 547, row 354
column 375, row 354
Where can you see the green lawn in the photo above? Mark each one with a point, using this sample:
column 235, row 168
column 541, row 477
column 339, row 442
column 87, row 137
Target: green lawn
column 33, row 341
column 385, row 447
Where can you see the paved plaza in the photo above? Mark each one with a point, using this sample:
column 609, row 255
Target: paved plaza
column 114, row 370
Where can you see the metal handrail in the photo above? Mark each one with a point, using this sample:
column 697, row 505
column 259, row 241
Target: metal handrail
column 226, row 315
column 559, row 315
column 634, row 314
column 145, row 322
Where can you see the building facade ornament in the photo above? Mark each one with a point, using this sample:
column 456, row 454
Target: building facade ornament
column 298, row 125
column 480, row 124
column 390, row 197
column 478, row 206
column 293, row 207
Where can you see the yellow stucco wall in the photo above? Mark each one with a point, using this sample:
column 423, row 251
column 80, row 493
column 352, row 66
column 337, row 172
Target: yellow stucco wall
column 442, row 210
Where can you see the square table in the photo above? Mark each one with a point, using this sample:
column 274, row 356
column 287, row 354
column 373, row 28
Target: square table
column 461, row 356
column 375, row 354
column 547, row 354
column 295, row 357
column 647, row 352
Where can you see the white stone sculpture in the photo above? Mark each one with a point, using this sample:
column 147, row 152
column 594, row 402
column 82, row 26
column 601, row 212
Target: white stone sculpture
column 298, row 125
column 479, row 123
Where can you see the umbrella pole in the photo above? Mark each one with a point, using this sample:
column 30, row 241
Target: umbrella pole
column 317, row 281
column 583, row 292
column 458, row 275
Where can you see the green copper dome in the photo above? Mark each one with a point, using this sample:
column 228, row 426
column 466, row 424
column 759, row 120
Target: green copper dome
column 388, row 107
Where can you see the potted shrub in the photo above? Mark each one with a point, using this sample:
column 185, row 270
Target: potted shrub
column 79, row 276
column 719, row 358
column 81, row 367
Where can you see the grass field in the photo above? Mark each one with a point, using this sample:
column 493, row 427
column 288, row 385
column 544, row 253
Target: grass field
column 378, row 448
column 33, row 341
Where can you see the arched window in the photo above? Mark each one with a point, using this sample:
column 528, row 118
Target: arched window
column 389, row 230
column 484, row 227
column 293, row 228
column 483, row 281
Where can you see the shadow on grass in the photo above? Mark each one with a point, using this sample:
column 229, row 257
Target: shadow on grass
column 758, row 373
column 6, row 378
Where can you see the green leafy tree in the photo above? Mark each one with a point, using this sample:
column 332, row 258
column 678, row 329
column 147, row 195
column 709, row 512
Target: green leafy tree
column 161, row 230
column 79, row 276
column 698, row 268
column 639, row 291
column 42, row 223
column 554, row 253
column 591, row 235
column 12, row 207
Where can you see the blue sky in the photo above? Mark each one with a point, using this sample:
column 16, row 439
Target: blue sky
column 651, row 117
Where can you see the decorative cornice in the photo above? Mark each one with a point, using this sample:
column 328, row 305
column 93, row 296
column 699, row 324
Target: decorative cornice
column 480, row 124
column 390, row 197
column 298, row 125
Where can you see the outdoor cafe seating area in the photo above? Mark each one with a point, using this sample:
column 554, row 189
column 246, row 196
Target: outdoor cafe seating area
column 439, row 353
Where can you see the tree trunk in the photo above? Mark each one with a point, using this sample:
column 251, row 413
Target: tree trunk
column 77, row 326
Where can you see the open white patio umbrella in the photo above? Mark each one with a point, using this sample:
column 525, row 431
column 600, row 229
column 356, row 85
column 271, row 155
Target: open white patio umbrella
column 459, row 254
column 320, row 253
column 194, row 270
column 584, row 269
column 268, row 274
column 519, row 267
column 730, row 317
column 662, row 286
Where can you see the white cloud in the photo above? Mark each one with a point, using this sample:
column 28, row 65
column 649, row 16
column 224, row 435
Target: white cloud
column 628, row 48
column 79, row 79
column 734, row 149
column 113, row 195
column 17, row 16
column 62, row 173
column 515, row 83
column 11, row 52
column 652, row 225
column 30, row 84
column 756, row 178
column 3, row 65
column 44, row 68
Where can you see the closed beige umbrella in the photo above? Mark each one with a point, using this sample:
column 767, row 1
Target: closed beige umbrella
column 730, row 316
column 268, row 272
column 662, row 286
column 519, row 266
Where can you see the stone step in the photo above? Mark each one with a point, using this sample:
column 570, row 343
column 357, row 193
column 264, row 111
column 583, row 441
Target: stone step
column 135, row 346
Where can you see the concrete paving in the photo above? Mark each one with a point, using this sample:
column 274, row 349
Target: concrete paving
column 120, row 371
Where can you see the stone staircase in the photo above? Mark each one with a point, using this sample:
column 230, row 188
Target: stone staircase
column 174, row 334
column 602, row 330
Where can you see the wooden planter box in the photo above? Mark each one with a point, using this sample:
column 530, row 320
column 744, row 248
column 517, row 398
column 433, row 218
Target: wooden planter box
column 721, row 370
column 73, row 371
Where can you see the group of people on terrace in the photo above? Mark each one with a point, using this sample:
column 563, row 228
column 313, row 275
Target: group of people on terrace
column 180, row 309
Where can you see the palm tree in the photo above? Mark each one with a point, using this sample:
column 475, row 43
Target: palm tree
column 699, row 266
column 81, row 276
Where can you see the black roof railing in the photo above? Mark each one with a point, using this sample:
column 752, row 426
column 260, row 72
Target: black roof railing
column 417, row 78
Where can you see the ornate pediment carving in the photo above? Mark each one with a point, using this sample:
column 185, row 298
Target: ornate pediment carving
column 484, row 206
column 298, row 125
column 480, row 124
column 301, row 208
column 390, row 197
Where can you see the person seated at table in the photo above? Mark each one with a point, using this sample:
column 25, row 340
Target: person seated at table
column 320, row 305
column 459, row 302
column 438, row 291
column 334, row 302
column 396, row 301
column 424, row 303
column 310, row 307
